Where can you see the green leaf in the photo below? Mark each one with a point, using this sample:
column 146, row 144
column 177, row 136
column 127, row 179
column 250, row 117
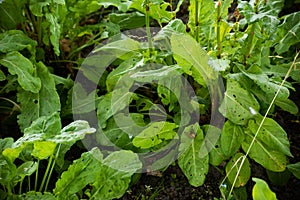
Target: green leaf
column 261, row 190
column 11, row 14
column 35, row 105
column 26, row 169
column 2, row 76
column 73, row 132
column 121, row 5
column 8, row 170
column 194, row 167
column 288, row 32
column 157, row 11
column 6, row 143
column 231, row 138
column 16, row 40
column 48, row 125
column 238, row 104
column 270, row 159
column 128, row 21
column 112, row 103
column 55, row 31
column 154, row 134
column 82, row 102
column 115, row 174
column 43, row 149
column 271, row 134
column 187, row 50
column 120, row 129
column 18, row 65
column 232, row 170
column 264, row 82
column 295, row 169
column 287, row 105
column 83, row 171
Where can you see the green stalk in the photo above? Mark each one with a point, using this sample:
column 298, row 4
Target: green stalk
column 219, row 45
column 20, row 188
column 46, row 173
column 36, row 175
column 196, row 21
column 148, row 31
column 52, row 167
column 251, row 36
column 29, row 189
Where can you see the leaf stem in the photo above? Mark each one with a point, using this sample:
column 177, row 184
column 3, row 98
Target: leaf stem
column 46, row 173
column 197, row 21
column 52, row 167
column 148, row 31
column 218, row 29
column 36, row 175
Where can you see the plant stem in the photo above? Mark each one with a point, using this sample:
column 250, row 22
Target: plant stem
column 20, row 188
column 46, row 173
column 196, row 21
column 36, row 175
column 52, row 167
column 148, row 31
column 218, row 29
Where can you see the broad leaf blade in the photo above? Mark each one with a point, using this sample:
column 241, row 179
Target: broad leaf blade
column 194, row 167
column 231, row 138
column 82, row 172
column 35, row 105
column 238, row 103
column 18, row 65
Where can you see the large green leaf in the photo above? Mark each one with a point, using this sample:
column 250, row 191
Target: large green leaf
column 194, row 167
column 188, row 54
column 261, row 190
column 54, row 30
column 113, row 178
column 155, row 134
column 83, row 171
column 35, row 105
column 270, row 159
column 16, row 40
column 271, row 135
column 288, row 32
column 18, row 65
column 231, row 138
column 232, row 170
column 238, row 104
column 264, row 82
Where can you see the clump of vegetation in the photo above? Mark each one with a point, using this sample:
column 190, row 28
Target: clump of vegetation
column 98, row 95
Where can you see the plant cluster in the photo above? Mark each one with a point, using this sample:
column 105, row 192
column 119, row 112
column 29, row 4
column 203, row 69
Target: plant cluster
column 143, row 81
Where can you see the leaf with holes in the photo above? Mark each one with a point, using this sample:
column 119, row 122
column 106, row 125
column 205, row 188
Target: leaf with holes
column 35, row 105
column 194, row 167
column 232, row 170
column 238, row 103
